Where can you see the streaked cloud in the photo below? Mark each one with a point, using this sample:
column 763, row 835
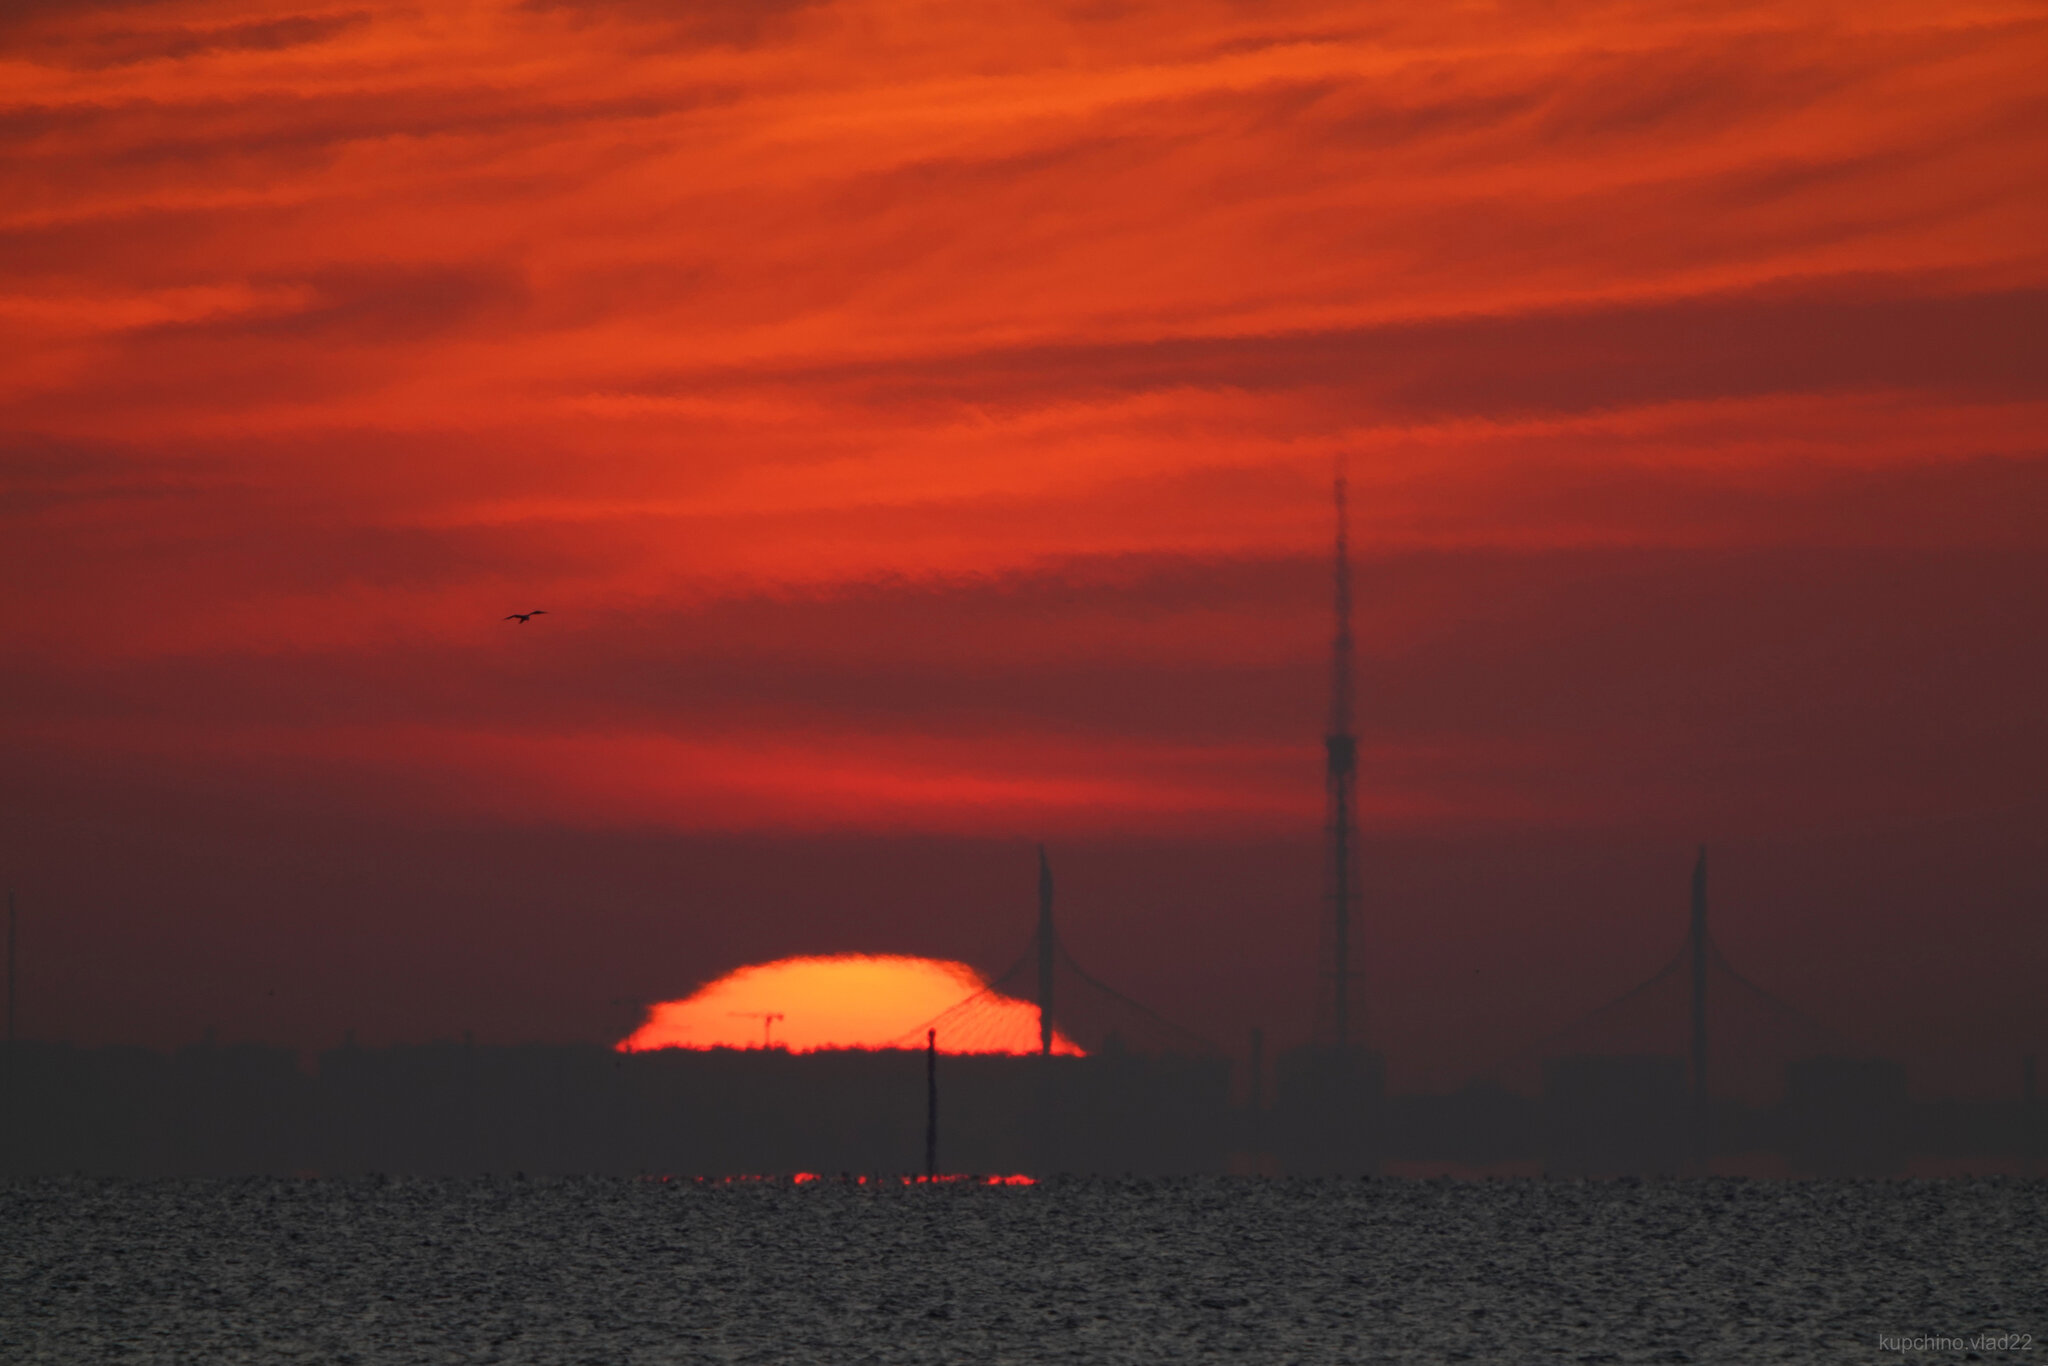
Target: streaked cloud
column 904, row 377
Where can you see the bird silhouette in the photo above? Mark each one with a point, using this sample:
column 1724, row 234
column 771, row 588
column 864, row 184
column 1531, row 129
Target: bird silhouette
column 523, row 617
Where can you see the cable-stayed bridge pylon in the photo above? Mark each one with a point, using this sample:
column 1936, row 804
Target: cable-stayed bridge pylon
column 1078, row 1012
column 1735, row 1037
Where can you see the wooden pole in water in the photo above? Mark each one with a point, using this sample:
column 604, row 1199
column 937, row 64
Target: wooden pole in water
column 931, row 1103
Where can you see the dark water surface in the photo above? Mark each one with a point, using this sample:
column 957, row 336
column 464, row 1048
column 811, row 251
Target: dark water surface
column 605, row 1271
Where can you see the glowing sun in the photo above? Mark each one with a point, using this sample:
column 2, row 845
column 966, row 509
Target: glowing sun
column 849, row 1001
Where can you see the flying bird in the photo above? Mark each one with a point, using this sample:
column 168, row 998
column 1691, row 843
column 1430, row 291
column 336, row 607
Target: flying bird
column 523, row 617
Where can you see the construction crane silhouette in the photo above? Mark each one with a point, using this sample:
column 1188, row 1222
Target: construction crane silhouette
column 767, row 1019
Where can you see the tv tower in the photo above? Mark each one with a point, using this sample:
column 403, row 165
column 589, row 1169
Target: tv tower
column 1341, row 783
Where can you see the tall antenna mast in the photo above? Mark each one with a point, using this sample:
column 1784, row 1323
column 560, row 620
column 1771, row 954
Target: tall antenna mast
column 1341, row 780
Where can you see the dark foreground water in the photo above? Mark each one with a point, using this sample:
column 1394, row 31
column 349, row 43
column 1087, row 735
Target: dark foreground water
column 605, row 1271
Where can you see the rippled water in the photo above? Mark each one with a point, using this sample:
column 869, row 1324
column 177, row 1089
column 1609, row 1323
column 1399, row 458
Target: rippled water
column 1069, row 1270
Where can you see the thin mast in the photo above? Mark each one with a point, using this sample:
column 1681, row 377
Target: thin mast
column 1257, row 1097
column 1699, row 1007
column 1045, row 954
column 1341, row 753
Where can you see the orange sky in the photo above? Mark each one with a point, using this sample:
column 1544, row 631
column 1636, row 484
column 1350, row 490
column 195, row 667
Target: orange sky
column 917, row 420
